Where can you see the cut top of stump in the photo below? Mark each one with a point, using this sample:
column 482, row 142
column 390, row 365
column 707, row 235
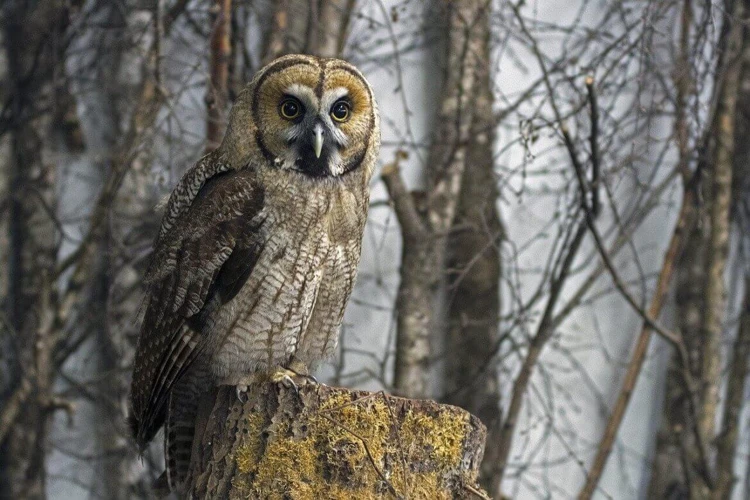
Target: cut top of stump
column 330, row 442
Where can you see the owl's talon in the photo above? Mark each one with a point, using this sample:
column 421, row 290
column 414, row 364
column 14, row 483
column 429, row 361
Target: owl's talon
column 290, row 384
column 291, row 379
column 242, row 390
column 304, row 376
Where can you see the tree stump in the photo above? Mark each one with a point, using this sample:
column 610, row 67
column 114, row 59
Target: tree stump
column 328, row 442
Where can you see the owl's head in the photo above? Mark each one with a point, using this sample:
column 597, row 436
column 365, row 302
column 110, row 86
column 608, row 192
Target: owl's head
column 310, row 115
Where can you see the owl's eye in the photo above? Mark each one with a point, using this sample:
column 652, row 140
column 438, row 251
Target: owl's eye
column 340, row 111
column 290, row 108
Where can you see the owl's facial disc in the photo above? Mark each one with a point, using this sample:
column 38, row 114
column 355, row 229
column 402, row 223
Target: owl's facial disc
column 313, row 134
column 312, row 116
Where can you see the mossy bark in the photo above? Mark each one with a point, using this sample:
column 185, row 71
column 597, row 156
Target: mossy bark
column 329, row 442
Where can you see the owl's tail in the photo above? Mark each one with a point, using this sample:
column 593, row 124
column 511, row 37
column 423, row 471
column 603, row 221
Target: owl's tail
column 179, row 431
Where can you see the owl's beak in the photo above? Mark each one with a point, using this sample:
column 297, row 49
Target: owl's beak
column 318, row 139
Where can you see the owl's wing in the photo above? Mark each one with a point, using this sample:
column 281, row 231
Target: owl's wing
column 200, row 263
column 189, row 186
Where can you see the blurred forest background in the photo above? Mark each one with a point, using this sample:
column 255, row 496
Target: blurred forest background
column 558, row 236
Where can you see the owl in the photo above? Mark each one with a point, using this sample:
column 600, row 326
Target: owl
column 258, row 248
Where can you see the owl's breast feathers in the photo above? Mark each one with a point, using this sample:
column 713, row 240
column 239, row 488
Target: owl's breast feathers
column 228, row 240
column 292, row 304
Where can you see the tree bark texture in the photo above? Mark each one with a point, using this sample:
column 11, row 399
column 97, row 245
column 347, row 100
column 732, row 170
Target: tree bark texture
column 719, row 181
column 333, row 24
column 739, row 354
column 46, row 297
column 327, row 442
column 726, row 442
column 673, row 438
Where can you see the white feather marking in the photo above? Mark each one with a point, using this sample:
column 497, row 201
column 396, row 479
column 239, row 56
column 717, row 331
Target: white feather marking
column 305, row 94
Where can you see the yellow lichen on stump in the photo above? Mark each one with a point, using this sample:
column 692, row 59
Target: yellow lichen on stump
column 326, row 442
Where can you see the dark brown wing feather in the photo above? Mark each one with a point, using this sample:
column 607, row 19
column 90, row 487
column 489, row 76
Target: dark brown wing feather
column 199, row 264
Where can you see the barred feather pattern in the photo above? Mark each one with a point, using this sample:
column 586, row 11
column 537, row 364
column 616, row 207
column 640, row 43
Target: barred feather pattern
column 189, row 187
column 293, row 302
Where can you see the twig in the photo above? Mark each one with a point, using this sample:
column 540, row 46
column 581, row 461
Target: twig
column 636, row 361
column 475, row 492
column 594, row 139
column 641, row 347
column 589, row 214
column 665, row 276
column 543, row 334
column 369, row 455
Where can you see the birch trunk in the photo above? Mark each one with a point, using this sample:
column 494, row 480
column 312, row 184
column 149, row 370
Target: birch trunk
column 717, row 248
column 726, row 445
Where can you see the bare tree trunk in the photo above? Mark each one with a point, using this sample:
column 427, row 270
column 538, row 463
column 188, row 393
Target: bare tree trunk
column 33, row 33
column 415, row 311
column 726, row 445
column 112, row 449
column 217, row 93
column 333, row 24
column 720, row 179
column 638, row 356
column 59, row 300
column 726, row 441
column 317, row 27
column 424, row 232
column 680, row 467
column 474, row 269
column 120, row 263
column 328, row 442
column 110, row 333
column 276, row 38
column 297, row 18
column 674, row 439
